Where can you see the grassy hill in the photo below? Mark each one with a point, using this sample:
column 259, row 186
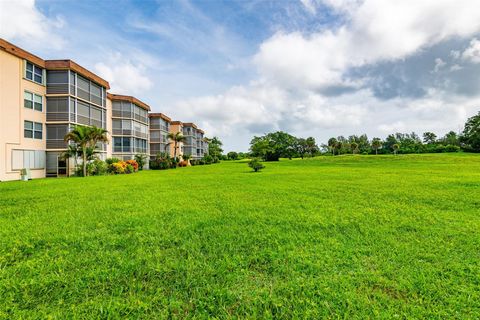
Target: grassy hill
column 349, row 237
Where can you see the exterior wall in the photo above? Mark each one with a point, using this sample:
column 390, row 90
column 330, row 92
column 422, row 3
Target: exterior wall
column 72, row 99
column 13, row 114
column 159, row 130
column 131, row 134
column 194, row 145
column 174, row 128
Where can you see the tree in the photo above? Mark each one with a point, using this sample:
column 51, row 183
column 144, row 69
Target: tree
column 215, row 148
column 471, row 134
column 176, row 137
column 451, row 138
column 232, row 155
column 339, row 146
column 312, row 147
column 395, row 148
column 86, row 139
column 71, row 152
column 429, row 137
column 376, row 144
column 332, row 145
column 354, row 147
column 301, row 147
column 272, row 146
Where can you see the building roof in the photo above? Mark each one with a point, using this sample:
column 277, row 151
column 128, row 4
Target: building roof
column 72, row 65
column 176, row 122
column 159, row 115
column 19, row 52
column 51, row 64
column 190, row 124
column 119, row 97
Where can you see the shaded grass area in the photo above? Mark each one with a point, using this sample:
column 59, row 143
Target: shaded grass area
column 330, row 237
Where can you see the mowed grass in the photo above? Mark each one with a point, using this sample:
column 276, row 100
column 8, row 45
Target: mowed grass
column 345, row 237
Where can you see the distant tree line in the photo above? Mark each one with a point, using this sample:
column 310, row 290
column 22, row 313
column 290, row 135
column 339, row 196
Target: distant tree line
column 276, row 145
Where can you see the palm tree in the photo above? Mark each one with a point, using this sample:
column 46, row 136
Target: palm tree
column 332, row 144
column 376, row 144
column 176, row 138
column 71, row 152
column 354, row 147
column 86, row 138
column 395, row 148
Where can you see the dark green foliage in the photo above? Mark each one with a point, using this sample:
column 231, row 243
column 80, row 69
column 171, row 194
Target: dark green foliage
column 112, row 160
column 215, row 147
column 141, row 160
column 232, row 155
column 162, row 161
column 276, row 145
column 256, row 164
column 471, row 134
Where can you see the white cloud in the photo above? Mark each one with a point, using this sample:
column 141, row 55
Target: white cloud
column 124, row 76
column 472, row 53
column 439, row 64
column 378, row 30
column 21, row 21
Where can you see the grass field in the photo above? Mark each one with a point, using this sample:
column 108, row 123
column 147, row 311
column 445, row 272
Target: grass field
column 344, row 237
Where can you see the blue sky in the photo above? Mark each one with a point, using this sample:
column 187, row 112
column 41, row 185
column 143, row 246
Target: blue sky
column 316, row 68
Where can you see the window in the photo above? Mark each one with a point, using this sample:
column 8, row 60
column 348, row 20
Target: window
column 28, row 100
column 38, row 103
column 34, row 73
column 28, row 159
column 32, row 101
column 33, row 130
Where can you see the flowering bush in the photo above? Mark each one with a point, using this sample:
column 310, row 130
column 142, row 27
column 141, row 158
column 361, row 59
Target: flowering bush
column 133, row 163
column 116, row 168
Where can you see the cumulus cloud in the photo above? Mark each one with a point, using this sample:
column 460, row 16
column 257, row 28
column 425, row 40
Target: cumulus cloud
column 472, row 53
column 21, row 21
column 124, row 76
column 377, row 31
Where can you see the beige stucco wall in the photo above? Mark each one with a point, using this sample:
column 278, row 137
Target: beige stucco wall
column 109, row 128
column 174, row 128
column 13, row 114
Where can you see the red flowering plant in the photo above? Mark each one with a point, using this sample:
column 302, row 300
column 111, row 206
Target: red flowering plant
column 133, row 163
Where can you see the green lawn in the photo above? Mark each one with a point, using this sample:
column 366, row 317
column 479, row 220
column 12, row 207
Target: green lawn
column 344, row 237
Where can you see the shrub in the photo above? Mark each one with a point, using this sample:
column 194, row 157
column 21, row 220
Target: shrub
column 255, row 164
column 116, row 168
column 161, row 162
column 208, row 159
column 109, row 161
column 193, row 162
column 133, row 163
column 452, row 148
column 140, row 159
column 97, row 168
column 129, row 168
column 183, row 163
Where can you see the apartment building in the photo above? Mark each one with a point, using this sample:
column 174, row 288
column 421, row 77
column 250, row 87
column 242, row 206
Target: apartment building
column 130, row 126
column 159, row 129
column 195, row 143
column 42, row 100
column 22, row 112
column 74, row 96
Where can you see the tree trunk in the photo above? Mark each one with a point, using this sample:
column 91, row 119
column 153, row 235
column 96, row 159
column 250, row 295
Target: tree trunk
column 175, row 150
column 84, row 148
column 376, row 152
